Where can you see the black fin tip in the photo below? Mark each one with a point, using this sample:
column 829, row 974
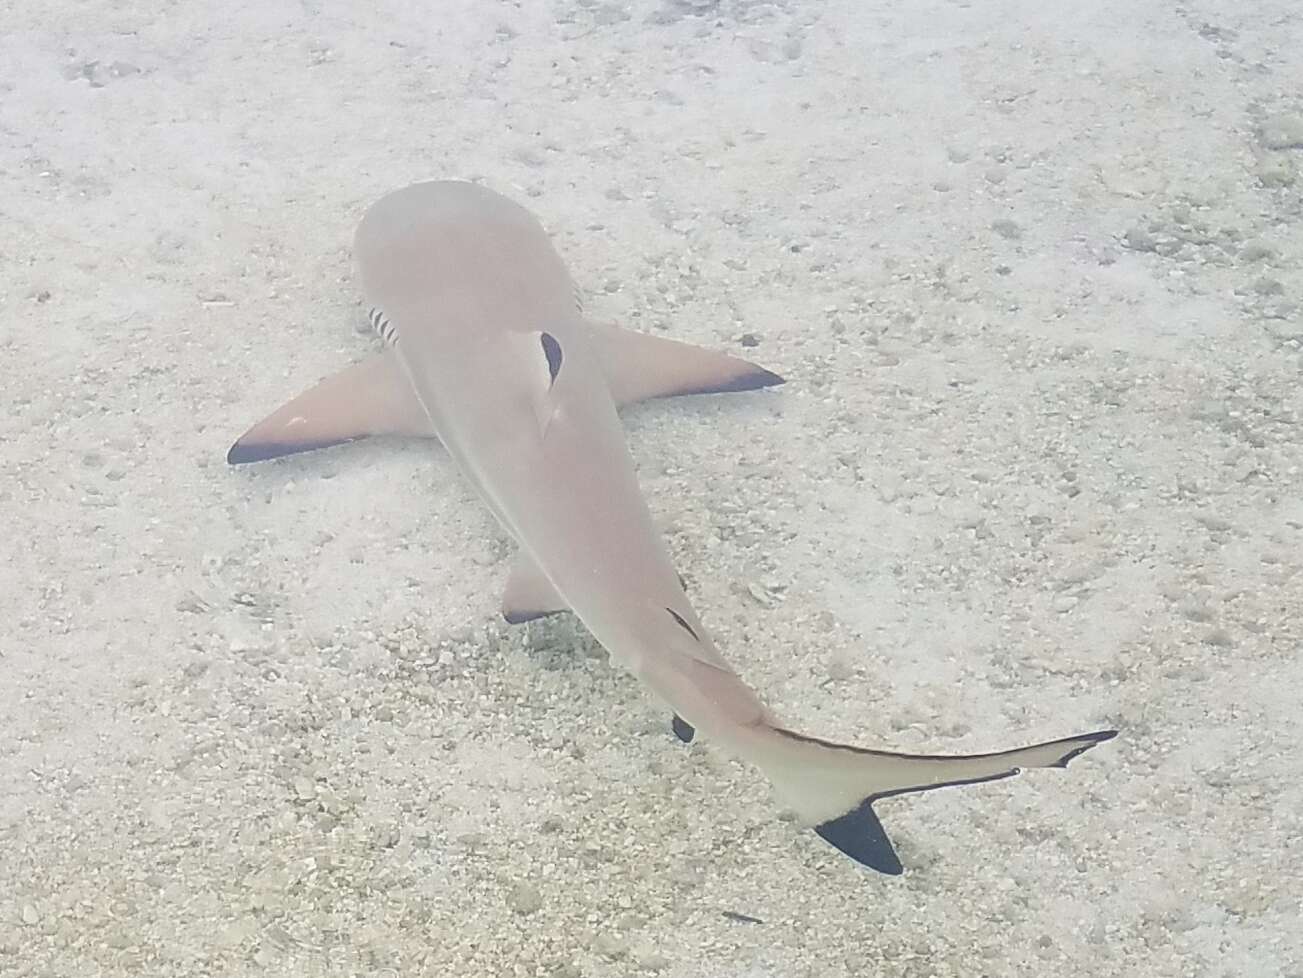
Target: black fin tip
column 861, row 836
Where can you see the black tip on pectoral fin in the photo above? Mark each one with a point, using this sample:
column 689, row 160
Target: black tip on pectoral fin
column 242, row 452
column 750, row 380
column 682, row 729
column 758, row 378
column 861, row 836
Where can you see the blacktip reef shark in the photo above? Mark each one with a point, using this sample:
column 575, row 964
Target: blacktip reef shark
column 486, row 349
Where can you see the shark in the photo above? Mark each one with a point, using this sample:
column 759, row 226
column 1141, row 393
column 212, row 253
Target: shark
column 485, row 348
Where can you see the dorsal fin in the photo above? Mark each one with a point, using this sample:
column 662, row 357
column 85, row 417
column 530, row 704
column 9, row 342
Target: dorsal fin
column 639, row 366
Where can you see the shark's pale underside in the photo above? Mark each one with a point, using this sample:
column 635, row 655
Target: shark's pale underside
column 486, row 348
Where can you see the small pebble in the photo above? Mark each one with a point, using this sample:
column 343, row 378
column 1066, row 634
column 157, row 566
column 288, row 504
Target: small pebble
column 653, row 961
column 192, row 604
column 238, row 932
column 1275, row 170
column 1256, row 251
column 1138, row 239
column 1282, row 132
column 265, row 956
column 839, row 669
column 1009, row 230
column 525, row 899
column 1079, row 573
column 611, row 946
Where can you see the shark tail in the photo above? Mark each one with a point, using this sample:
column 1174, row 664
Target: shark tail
column 833, row 786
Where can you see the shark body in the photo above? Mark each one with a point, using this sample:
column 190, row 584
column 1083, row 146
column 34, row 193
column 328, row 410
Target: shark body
column 487, row 350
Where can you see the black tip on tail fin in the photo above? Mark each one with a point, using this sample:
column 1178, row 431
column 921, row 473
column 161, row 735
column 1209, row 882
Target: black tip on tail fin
column 1090, row 740
column 861, row 836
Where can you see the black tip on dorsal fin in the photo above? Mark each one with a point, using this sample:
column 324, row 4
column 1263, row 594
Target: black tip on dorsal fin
column 551, row 350
column 682, row 729
column 861, row 836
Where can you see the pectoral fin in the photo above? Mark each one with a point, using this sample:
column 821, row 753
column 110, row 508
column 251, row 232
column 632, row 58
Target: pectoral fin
column 373, row 397
column 639, row 366
column 529, row 593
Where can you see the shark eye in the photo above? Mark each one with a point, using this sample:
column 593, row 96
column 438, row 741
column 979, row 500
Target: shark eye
column 682, row 623
column 551, row 350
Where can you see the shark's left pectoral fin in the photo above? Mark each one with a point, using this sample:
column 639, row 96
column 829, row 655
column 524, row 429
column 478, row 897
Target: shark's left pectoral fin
column 529, row 593
column 373, row 397
column 639, row 366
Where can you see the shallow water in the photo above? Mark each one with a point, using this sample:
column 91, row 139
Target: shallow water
column 1031, row 274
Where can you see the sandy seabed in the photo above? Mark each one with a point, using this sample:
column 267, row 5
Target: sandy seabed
column 1032, row 272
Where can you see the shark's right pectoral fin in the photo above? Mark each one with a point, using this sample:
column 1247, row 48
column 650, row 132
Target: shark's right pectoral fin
column 369, row 398
column 529, row 594
column 639, row 366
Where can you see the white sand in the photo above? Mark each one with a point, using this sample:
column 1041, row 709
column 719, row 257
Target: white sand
column 1027, row 479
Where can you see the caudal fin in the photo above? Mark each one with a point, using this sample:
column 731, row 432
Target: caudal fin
column 833, row 786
